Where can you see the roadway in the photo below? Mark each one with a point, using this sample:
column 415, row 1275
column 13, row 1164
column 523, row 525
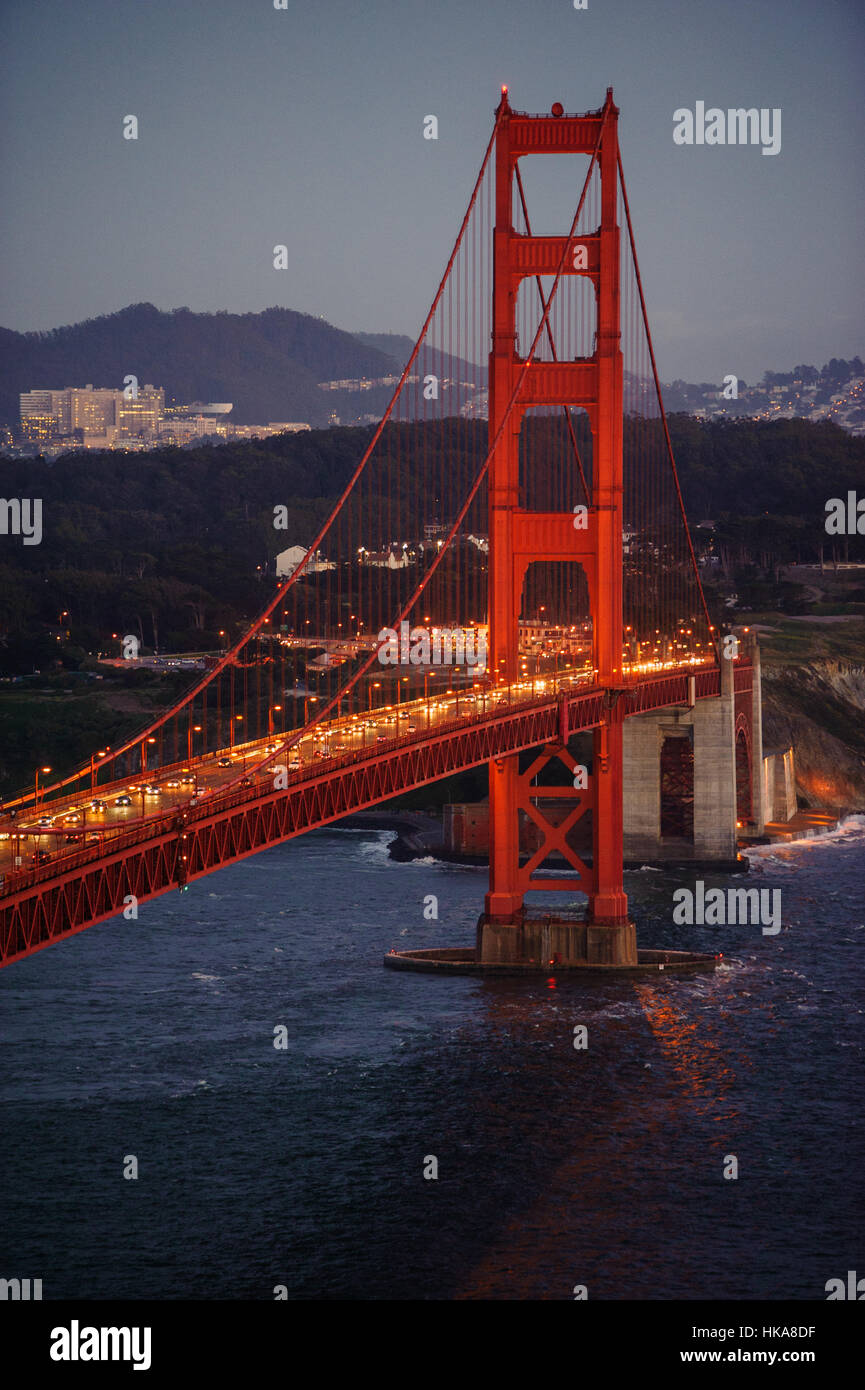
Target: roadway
column 62, row 826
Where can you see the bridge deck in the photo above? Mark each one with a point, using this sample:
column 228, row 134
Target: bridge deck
column 90, row 881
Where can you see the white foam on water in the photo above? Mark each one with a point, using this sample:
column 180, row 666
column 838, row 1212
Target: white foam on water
column 376, row 850
column 852, row 828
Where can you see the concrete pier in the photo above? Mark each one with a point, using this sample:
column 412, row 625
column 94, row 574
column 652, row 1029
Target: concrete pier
column 709, row 830
column 457, row 960
column 551, row 945
column 544, row 941
column 722, row 787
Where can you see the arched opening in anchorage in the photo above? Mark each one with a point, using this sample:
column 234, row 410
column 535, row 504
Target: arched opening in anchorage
column 744, row 799
column 677, row 788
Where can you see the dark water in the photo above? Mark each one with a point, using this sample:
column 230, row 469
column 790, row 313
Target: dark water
column 304, row 1166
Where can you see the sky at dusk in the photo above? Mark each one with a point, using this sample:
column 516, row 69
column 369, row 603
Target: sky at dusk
column 304, row 126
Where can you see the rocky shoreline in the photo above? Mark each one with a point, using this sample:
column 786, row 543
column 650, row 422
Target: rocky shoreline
column 819, row 708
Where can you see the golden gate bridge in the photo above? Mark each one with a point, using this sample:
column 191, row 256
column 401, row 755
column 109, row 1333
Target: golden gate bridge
column 522, row 477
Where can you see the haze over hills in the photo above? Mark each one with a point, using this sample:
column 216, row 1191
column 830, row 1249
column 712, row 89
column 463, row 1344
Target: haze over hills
column 271, row 365
column 395, row 345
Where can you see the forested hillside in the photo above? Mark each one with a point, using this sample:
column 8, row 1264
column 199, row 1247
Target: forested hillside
column 267, row 364
column 183, row 540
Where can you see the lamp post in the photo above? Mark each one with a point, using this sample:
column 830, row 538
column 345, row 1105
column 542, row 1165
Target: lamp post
column 36, row 786
column 93, row 757
column 428, row 676
column 190, row 730
column 236, row 719
column 144, row 754
column 270, row 728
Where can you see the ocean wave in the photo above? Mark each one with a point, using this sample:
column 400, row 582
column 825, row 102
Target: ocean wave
column 851, row 828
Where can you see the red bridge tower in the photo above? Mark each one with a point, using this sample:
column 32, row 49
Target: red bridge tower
column 518, row 537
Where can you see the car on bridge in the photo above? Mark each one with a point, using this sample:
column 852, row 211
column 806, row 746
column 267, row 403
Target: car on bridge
column 123, row 800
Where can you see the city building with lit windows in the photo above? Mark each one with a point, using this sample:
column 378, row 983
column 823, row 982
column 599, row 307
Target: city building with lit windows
column 92, row 417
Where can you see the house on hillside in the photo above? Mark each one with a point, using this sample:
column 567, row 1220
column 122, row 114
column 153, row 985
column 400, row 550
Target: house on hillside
column 287, row 562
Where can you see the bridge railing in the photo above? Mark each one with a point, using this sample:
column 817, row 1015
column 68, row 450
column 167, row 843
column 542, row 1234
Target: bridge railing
column 165, row 823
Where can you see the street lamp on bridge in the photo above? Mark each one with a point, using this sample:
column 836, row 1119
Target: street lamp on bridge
column 36, row 786
column 93, row 756
column 144, row 753
column 428, row 676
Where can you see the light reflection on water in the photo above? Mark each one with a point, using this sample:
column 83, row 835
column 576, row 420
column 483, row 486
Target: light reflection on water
column 304, row 1166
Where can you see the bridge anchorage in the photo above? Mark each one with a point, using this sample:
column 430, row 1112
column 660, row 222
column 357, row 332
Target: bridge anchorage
column 591, row 534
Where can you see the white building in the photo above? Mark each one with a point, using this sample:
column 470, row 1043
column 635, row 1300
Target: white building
column 287, row 562
column 393, row 558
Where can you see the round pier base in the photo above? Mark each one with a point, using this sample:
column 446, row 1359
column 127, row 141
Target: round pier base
column 460, row 960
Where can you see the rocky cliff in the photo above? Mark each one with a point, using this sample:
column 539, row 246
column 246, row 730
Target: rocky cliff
column 820, row 709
